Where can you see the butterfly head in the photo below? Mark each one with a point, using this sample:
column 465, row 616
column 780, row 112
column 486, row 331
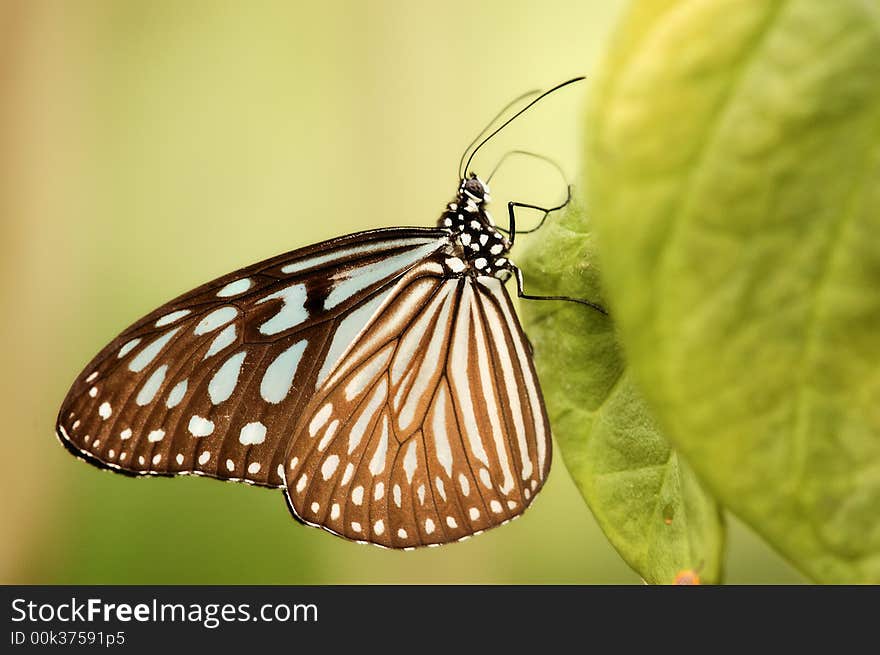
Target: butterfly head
column 474, row 189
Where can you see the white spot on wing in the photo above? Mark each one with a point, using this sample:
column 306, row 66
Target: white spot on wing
column 357, row 495
column 279, row 375
column 200, row 427
column 441, row 488
column 235, row 288
column 168, row 319
column 329, row 466
column 441, row 438
column 156, row 436
column 215, row 319
column 151, row 386
column 346, row 476
column 176, row 394
column 320, row 419
column 204, row 457
column 223, row 383
column 293, row 309
column 366, row 417
column 377, row 463
column 367, row 373
column 410, row 461
column 485, row 478
column 148, row 354
column 455, row 264
column 252, row 433
column 329, row 433
column 253, row 468
column 224, row 339
column 105, row 410
column 128, row 347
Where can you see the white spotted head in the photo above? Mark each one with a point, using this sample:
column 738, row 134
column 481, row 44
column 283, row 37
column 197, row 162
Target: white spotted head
column 474, row 189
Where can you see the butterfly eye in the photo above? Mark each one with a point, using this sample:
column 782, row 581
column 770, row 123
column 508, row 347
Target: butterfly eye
column 475, row 188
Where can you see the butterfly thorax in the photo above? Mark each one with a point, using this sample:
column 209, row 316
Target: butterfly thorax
column 477, row 244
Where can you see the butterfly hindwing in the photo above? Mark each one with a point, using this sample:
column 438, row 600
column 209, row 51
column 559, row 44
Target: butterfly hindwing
column 432, row 428
column 212, row 382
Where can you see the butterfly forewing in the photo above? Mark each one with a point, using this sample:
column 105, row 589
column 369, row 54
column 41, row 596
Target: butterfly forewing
column 212, row 383
column 432, row 427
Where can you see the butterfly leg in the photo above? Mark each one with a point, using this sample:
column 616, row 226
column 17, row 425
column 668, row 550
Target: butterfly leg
column 520, row 292
column 511, row 212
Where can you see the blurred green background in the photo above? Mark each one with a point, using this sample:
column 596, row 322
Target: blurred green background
column 146, row 147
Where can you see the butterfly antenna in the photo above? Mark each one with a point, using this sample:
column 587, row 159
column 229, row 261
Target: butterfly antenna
column 525, row 153
column 512, row 118
column 491, row 123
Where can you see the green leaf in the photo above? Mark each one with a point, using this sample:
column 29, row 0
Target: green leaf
column 733, row 161
column 645, row 498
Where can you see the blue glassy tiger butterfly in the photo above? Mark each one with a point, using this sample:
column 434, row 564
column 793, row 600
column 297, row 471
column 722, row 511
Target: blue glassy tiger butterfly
column 381, row 379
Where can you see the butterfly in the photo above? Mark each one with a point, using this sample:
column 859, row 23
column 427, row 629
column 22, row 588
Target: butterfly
column 381, row 379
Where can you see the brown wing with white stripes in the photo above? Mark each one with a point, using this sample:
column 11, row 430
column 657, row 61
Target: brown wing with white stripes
column 213, row 382
column 431, row 428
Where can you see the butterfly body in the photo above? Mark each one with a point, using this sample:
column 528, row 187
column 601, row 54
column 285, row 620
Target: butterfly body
column 380, row 379
column 478, row 245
